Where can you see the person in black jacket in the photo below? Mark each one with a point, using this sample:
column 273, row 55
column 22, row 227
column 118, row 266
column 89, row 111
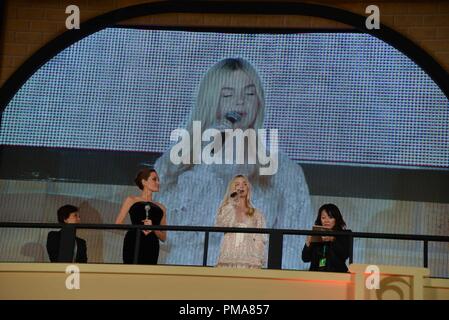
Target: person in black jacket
column 66, row 214
column 330, row 253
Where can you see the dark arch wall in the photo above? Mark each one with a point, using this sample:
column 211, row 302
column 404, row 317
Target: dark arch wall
column 390, row 36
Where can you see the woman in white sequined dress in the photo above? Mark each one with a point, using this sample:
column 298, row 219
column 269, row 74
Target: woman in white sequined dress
column 241, row 250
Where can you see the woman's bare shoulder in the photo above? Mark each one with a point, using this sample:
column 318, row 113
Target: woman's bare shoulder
column 160, row 205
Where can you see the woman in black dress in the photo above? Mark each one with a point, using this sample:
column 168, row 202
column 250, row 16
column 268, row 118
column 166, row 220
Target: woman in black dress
column 329, row 254
column 142, row 210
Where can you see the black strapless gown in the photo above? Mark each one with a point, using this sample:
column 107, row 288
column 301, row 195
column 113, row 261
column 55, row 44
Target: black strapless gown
column 149, row 244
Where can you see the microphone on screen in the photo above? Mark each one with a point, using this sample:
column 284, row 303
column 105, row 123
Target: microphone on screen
column 236, row 193
column 233, row 116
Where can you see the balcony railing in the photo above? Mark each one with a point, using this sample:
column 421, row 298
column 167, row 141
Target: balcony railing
column 68, row 232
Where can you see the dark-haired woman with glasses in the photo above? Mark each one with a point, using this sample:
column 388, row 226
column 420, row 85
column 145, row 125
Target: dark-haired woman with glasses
column 329, row 253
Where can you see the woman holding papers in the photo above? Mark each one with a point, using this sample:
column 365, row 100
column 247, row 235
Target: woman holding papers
column 328, row 253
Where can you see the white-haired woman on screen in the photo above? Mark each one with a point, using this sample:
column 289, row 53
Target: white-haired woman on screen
column 230, row 96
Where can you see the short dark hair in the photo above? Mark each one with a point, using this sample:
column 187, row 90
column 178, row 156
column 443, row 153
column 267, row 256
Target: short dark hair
column 65, row 211
column 143, row 174
column 333, row 212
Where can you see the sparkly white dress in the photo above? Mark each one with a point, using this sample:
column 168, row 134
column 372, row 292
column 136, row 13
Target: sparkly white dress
column 241, row 250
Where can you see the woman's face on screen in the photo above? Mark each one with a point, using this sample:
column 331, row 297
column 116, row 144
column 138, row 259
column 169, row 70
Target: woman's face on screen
column 326, row 220
column 238, row 95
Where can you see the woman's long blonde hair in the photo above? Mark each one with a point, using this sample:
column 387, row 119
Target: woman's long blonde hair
column 229, row 190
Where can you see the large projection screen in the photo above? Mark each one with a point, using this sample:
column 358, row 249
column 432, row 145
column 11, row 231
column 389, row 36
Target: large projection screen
column 340, row 99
